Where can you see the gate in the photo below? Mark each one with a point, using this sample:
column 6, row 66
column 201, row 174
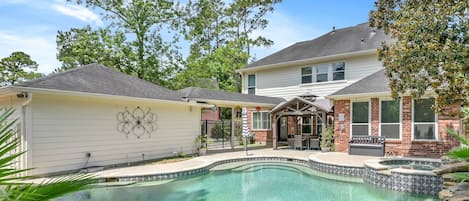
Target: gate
column 219, row 134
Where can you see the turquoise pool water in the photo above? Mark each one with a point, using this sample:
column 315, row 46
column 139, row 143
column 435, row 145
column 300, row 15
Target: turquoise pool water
column 249, row 182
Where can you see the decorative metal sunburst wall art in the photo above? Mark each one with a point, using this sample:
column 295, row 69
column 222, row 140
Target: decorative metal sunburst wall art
column 138, row 122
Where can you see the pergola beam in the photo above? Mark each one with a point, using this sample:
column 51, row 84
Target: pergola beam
column 296, row 113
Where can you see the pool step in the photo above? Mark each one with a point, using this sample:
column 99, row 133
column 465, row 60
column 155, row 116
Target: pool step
column 114, row 184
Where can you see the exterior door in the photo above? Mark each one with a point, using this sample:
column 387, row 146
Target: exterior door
column 283, row 134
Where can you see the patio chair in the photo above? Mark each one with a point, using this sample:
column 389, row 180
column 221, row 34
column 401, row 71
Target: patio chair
column 291, row 143
column 299, row 142
column 314, row 143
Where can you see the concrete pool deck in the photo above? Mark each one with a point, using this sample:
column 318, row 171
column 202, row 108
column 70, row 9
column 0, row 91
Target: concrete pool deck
column 333, row 158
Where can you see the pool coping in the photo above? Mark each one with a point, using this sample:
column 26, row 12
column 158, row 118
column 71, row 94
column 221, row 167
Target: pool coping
column 370, row 171
column 202, row 169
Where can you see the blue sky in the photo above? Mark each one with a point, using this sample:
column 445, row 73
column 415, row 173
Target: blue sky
column 31, row 25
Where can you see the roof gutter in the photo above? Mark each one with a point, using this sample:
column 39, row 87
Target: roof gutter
column 307, row 61
column 428, row 93
column 97, row 95
column 359, row 95
column 235, row 103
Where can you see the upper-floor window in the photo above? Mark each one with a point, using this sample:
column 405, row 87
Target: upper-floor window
column 323, row 73
column 306, row 75
column 252, row 84
column 338, row 71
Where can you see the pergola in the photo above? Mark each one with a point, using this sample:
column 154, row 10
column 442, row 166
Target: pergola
column 300, row 106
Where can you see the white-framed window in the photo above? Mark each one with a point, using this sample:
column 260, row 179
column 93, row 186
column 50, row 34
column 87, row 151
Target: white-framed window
column 325, row 72
column 260, row 120
column 306, row 75
column 360, row 114
column 252, row 84
column 390, row 119
column 424, row 120
column 338, row 71
column 306, row 125
column 318, row 125
column 322, row 73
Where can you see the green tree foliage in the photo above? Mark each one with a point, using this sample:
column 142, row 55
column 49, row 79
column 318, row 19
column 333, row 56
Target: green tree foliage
column 431, row 48
column 80, row 46
column 142, row 49
column 11, row 188
column 221, row 36
column 16, row 68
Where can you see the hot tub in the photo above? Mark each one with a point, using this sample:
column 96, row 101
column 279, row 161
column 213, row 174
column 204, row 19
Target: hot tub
column 404, row 174
column 413, row 164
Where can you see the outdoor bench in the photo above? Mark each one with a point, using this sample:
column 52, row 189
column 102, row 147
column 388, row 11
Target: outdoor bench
column 367, row 145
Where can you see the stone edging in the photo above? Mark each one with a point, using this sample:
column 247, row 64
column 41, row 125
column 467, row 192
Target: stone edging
column 351, row 171
column 202, row 170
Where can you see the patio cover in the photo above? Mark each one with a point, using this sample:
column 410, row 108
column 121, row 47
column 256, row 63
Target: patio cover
column 299, row 106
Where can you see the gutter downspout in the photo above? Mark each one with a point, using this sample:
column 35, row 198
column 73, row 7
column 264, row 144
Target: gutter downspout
column 27, row 159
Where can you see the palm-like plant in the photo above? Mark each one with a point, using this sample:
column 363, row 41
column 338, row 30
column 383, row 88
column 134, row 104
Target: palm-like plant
column 13, row 186
column 461, row 153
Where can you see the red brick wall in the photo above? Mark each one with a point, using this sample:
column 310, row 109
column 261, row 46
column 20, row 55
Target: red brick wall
column 209, row 114
column 291, row 125
column 374, row 117
column 342, row 129
column 448, row 118
column 262, row 136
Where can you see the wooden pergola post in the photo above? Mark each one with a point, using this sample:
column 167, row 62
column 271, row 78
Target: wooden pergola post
column 324, row 121
column 274, row 130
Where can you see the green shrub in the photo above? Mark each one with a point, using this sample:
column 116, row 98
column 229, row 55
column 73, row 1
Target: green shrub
column 327, row 139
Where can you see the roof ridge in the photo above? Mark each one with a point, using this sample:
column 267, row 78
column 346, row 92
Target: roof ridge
column 334, row 42
column 134, row 78
column 52, row 75
column 325, row 34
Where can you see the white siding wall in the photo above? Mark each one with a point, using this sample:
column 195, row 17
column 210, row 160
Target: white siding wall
column 66, row 128
column 286, row 82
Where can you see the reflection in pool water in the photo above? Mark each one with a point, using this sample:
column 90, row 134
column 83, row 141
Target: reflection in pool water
column 252, row 181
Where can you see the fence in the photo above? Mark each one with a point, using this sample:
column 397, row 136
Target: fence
column 219, row 134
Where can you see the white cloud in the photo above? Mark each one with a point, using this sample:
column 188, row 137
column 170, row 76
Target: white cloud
column 79, row 12
column 41, row 49
column 284, row 31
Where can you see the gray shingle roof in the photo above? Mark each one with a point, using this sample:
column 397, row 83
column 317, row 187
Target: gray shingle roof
column 196, row 92
column 340, row 41
column 96, row 78
column 376, row 82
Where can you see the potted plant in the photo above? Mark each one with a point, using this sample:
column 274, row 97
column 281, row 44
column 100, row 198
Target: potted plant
column 201, row 142
column 327, row 140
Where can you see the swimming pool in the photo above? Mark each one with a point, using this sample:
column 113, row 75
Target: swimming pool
column 249, row 181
